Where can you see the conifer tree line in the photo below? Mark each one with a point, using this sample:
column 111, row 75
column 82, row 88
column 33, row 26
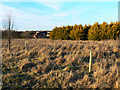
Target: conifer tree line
column 97, row 31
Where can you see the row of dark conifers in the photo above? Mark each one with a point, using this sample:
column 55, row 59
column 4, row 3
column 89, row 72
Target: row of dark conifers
column 25, row 34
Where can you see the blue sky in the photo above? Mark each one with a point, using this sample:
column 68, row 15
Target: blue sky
column 47, row 15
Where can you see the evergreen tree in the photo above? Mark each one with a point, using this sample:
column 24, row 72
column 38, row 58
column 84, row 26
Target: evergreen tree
column 110, row 34
column 79, row 33
column 67, row 32
column 103, row 31
column 114, row 30
column 94, row 31
column 86, row 29
column 53, row 34
column 117, row 30
column 72, row 32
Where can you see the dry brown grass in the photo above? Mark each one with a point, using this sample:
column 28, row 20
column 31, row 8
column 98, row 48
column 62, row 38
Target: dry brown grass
column 60, row 64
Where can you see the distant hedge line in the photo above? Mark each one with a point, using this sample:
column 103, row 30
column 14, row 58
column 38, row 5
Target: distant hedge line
column 18, row 34
column 95, row 32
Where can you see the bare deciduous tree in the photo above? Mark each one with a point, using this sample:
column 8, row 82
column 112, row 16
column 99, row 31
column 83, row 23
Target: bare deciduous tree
column 8, row 25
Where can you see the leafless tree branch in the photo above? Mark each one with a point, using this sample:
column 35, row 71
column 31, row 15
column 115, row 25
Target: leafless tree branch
column 8, row 24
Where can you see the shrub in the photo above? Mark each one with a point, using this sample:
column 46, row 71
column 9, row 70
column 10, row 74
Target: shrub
column 27, row 34
column 13, row 34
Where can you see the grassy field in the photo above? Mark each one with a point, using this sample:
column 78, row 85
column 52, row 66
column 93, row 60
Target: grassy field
column 60, row 64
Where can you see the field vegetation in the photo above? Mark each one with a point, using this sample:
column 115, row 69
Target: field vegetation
column 46, row 63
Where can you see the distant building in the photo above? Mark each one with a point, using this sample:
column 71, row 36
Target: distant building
column 42, row 34
column 48, row 33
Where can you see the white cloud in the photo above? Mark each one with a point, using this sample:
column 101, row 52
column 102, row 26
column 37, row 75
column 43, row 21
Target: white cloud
column 4, row 9
column 27, row 19
column 54, row 5
column 74, row 11
column 64, row 14
column 67, row 13
column 35, row 10
column 30, row 19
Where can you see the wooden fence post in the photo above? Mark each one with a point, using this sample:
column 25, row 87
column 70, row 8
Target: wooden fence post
column 25, row 45
column 9, row 42
column 90, row 62
column 118, row 64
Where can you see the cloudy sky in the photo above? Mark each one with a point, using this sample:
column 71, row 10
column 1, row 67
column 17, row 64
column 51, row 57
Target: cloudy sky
column 45, row 15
